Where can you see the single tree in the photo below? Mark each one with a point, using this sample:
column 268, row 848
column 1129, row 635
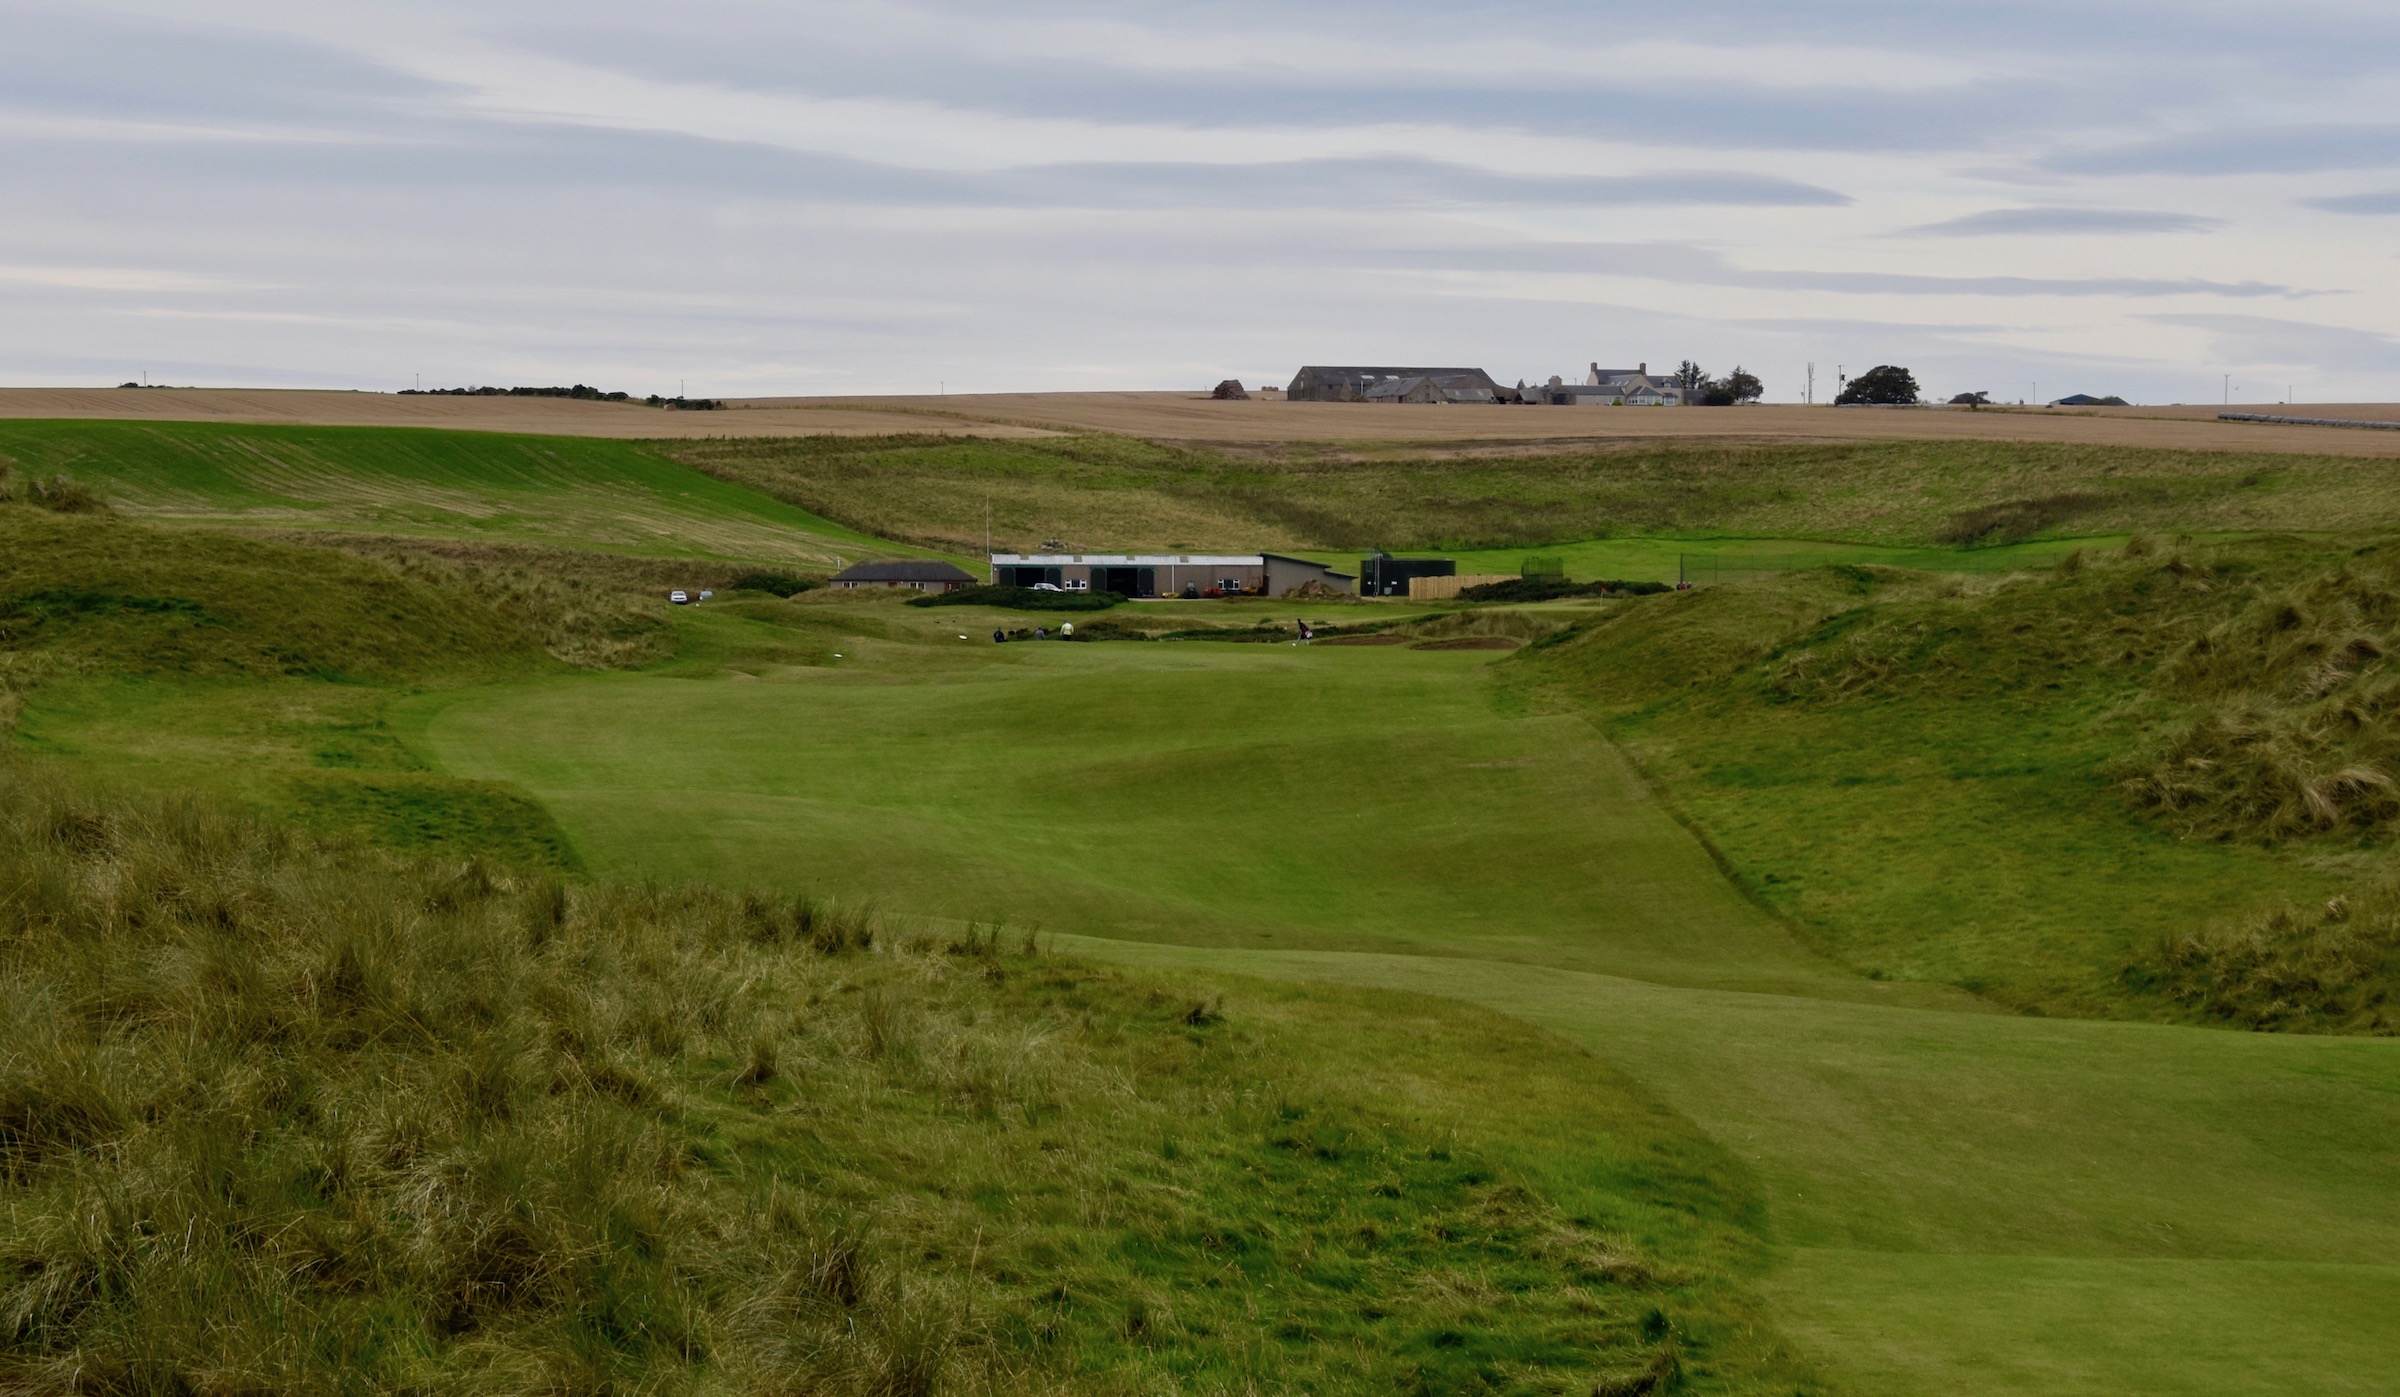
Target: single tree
column 1740, row 386
column 1885, row 384
column 1690, row 377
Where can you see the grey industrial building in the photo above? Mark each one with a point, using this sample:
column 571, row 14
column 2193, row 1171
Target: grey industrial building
column 1167, row 574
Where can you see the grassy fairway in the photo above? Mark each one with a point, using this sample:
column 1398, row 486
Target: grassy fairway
column 581, row 493
column 1225, row 795
column 1969, row 1202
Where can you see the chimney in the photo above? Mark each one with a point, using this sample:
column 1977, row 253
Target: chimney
column 1645, row 367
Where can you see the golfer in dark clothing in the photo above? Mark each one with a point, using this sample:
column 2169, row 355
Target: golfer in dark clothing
column 999, row 637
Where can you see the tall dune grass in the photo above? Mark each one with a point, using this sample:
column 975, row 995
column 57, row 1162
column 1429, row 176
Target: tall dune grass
column 276, row 1118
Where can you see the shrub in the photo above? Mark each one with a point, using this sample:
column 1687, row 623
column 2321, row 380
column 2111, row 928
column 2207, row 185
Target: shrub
column 59, row 494
column 782, row 584
column 1553, row 586
column 1020, row 599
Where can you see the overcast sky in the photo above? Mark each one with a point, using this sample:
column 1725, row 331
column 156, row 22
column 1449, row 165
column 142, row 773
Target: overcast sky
column 794, row 197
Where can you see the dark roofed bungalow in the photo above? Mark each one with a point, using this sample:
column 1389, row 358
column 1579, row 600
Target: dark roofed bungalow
column 921, row 574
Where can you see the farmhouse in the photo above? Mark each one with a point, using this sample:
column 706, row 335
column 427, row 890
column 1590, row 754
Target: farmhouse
column 1167, row 574
column 1322, row 384
column 920, row 575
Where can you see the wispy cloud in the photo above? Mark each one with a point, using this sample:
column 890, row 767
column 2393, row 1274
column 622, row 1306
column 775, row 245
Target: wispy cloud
column 2293, row 345
column 2244, row 149
column 2382, row 201
column 2055, row 221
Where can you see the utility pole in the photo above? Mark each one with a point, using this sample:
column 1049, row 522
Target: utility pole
column 2229, row 390
column 1810, row 396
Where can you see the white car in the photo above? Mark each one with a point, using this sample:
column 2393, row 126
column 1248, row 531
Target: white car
column 677, row 597
column 1047, row 587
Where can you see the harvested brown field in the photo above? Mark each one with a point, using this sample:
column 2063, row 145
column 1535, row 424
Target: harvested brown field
column 1197, row 418
column 564, row 417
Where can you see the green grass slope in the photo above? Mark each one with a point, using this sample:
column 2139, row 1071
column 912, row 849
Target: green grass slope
column 1235, row 795
column 88, row 590
column 615, row 496
column 194, row 661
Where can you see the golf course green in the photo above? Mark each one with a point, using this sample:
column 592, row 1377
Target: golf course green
column 1964, row 1200
column 1831, row 982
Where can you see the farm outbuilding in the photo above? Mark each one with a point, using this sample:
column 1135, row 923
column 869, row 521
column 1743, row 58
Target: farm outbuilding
column 1320, row 383
column 1166, row 574
column 917, row 574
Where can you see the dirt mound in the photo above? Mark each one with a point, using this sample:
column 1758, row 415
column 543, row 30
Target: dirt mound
column 1468, row 642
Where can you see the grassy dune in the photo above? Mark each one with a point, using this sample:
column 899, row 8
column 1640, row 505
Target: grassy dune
column 2124, row 787
column 278, row 1119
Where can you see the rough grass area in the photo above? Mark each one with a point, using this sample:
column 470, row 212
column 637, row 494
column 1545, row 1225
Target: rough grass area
column 2297, row 729
column 59, row 494
column 98, row 590
column 1108, row 493
column 2013, row 784
column 2332, row 967
column 281, row 1119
